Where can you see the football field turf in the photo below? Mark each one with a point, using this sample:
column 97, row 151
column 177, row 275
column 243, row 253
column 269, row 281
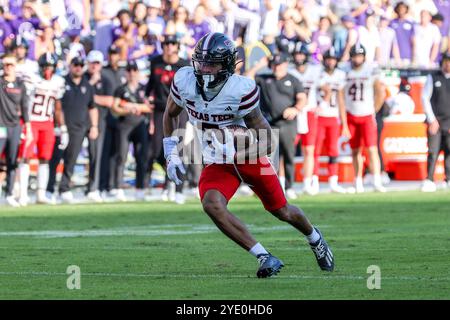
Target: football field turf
column 157, row 250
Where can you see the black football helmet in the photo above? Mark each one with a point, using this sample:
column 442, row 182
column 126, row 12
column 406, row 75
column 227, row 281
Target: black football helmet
column 301, row 49
column 330, row 54
column 357, row 49
column 47, row 60
column 211, row 50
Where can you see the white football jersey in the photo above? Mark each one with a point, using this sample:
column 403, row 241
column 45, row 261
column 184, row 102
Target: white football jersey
column 45, row 95
column 359, row 90
column 310, row 81
column 238, row 97
column 336, row 81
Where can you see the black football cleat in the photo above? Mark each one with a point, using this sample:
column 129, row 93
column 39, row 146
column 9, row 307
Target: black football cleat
column 268, row 265
column 323, row 253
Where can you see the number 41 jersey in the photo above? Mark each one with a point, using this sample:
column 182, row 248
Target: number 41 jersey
column 238, row 97
column 359, row 89
column 45, row 94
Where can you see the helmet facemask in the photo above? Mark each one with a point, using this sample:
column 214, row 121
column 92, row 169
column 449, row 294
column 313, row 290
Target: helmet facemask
column 209, row 73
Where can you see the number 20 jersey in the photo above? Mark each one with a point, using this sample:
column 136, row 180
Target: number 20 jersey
column 359, row 89
column 45, row 94
column 238, row 97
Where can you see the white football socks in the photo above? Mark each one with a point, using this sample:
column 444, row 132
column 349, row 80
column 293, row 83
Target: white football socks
column 313, row 237
column 24, row 177
column 307, row 182
column 43, row 173
column 257, row 250
column 377, row 180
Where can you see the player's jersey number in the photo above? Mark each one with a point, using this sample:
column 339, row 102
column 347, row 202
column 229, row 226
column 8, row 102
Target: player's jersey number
column 43, row 105
column 356, row 91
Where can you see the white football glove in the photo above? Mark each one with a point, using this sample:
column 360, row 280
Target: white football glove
column 224, row 151
column 173, row 159
column 64, row 138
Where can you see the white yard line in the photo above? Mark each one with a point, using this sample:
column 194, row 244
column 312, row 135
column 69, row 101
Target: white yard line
column 218, row 276
column 153, row 230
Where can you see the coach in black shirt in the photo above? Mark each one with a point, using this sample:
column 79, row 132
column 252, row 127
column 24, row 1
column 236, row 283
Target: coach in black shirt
column 117, row 77
column 13, row 106
column 81, row 119
column 131, row 107
column 163, row 69
column 436, row 101
column 103, row 98
column 282, row 98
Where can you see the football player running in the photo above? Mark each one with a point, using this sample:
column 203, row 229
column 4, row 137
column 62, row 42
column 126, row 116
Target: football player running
column 364, row 96
column 331, row 110
column 48, row 88
column 216, row 98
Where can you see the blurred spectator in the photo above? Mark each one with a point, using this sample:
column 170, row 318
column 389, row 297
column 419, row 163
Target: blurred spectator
column 198, row 27
column 359, row 12
column 26, row 25
column 139, row 12
column 104, row 13
column 74, row 46
column 438, row 21
column 404, row 30
column 389, row 45
column 322, row 39
column 156, row 24
column 78, row 15
column 417, row 6
column 243, row 15
column 427, row 39
column 369, row 37
column 289, row 35
column 443, row 7
column 179, row 27
column 341, row 7
column 142, row 47
column 47, row 42
column 270, row 12
column 351, row 36
column 125, row 34
column 6, row 32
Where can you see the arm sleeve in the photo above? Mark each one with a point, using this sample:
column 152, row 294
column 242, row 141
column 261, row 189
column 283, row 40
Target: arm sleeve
column 118, row 93
column 298, row 87
column 426, row 97
column 107, row 87
column 91, row 104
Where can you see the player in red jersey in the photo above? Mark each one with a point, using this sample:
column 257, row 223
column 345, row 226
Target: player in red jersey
column 364, row 96
column 47, row 88
column 216, row 98
column 331, row 116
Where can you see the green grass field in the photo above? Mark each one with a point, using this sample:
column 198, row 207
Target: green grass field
column 164, row 251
